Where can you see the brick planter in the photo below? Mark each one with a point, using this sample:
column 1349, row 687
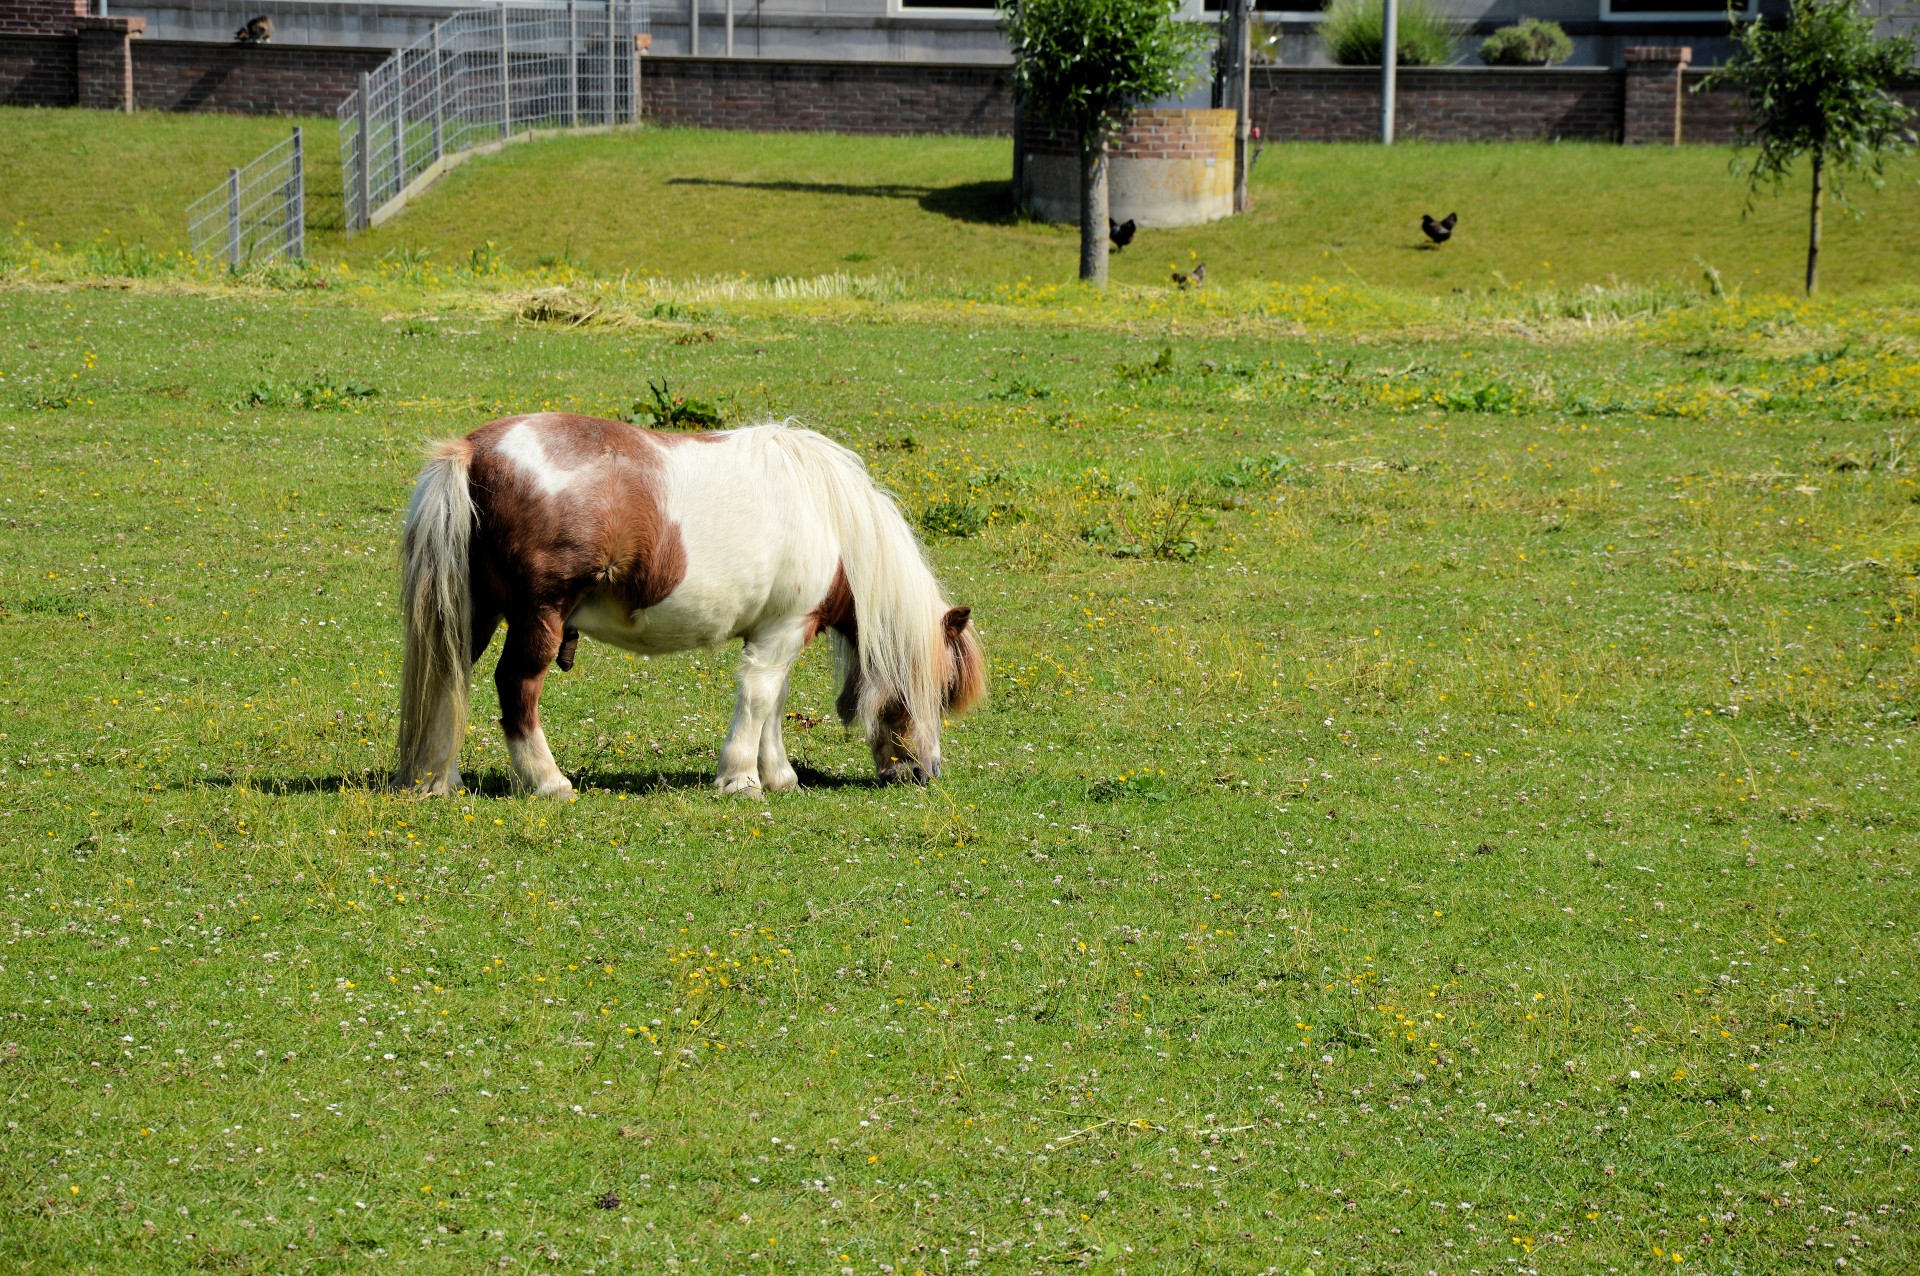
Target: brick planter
column 1166, row 168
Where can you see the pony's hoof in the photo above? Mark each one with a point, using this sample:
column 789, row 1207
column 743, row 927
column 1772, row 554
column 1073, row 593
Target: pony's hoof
column 559, row 787
column 739, row 786
column 785, row 780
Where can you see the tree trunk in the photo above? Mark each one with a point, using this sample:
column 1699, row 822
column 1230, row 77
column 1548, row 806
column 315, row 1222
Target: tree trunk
column 1093, row 212
column 1813, row 223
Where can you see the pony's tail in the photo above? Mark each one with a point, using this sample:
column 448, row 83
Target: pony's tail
column 436, row 607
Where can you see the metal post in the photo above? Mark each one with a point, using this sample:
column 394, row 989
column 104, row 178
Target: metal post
column 297, row 201
column 1243, row 126
column 729, row 28
column 233, row 218
column 506, row 80
column 439, row 97
column 693, row 27
column 573, row 64
column 363, row 177
column 1389, row 67
column 400, row 126
column 613, row 63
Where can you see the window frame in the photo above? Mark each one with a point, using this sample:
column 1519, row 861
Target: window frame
column 1746, row 12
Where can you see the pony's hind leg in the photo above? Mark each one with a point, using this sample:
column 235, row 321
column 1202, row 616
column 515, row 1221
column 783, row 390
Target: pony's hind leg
column 532, row 642
column 762, row 683
column 776, row 773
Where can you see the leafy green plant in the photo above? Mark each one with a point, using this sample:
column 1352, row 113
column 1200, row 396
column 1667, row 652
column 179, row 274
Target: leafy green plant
column 1529, row 42
column 1820, row 85
column 1352, row 33
column 959, row 519
column 669, row 411
column 1081, row 65
column 1161, row 365
column 319, row 393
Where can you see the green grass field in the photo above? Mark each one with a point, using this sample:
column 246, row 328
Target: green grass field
column 1445, row 803
column 681, row 203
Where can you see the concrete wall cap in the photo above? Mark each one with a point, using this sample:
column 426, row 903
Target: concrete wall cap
column 1677, row 54
column 111, row 26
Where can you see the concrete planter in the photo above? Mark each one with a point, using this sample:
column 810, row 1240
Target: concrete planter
column 1166, row 168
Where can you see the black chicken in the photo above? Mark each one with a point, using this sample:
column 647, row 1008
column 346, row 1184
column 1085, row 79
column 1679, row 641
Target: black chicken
column 1121, row 233
column 1439, row 231
column 257, row 31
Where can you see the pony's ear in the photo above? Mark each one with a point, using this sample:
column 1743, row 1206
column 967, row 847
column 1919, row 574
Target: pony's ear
column 956, row 621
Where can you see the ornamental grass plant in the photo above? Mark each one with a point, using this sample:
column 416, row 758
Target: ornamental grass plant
column 1351, row 33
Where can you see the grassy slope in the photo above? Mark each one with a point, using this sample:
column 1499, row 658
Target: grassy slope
column 683, row 203
column 1390, row 887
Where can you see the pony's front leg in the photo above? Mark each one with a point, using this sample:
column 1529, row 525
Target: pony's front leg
column 776, row 773
column 531, row 644
column 762, row 685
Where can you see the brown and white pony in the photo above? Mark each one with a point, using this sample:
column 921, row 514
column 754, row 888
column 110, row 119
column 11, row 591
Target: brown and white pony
column 566, row 525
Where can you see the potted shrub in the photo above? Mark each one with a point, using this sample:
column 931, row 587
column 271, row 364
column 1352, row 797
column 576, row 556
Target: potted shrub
column 1351, row 33
column 1529, row 42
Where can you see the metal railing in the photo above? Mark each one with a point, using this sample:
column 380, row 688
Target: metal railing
column 259, row 213
column 481, row 77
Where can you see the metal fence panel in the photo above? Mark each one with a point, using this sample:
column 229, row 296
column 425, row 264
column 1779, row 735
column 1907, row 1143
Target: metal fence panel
column 483, row 76
column 257, row 214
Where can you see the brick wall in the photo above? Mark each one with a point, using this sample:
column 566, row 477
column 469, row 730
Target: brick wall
column 1456, row 104
column 246, row 79
column 828, row 97
column 1148, row 134
column 39, row 70
column 40, row 17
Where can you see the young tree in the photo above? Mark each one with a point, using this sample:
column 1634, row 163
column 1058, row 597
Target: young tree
column 1081, row 65
column 1819, row 86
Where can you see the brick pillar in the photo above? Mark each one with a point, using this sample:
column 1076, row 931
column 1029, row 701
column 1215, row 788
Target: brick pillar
column 106, row 62
column 1653, row 94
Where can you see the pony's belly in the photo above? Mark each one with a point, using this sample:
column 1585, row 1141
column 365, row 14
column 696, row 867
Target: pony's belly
column 669, row 626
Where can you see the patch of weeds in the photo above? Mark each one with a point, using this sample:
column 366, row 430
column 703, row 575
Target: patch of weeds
column 1131, row 786
column 1165, row 524
column 1020, row 388
column 695, row 337
column 51, row 400
column 122, row 260
column 45, row 604
column 415, row 328
column 1256, row 471
column 857, row 257
column 1161, row 365
column 959, row 519
column 905, row 443
column 669, row 411
column 320, row 393
column 487, row 260
column 1494, row 396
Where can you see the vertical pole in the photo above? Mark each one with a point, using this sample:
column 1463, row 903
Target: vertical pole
column 362, row 175
column 439, row 97
column 233, row 219
column 400, row 125
column 613, row 63
column 506, row 80
column 693, row 27
column 297, row 200
column 1389, row 67
column 729, row 28
column 573, row 64
column 1243, row 125
column 1019, row 160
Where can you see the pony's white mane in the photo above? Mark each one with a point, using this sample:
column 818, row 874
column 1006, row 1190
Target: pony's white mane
column 896, row 598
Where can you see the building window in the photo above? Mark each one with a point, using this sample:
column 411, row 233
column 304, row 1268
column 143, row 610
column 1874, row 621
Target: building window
column 1675, row 10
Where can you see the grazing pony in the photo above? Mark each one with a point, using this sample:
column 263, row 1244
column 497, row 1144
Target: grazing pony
column 565, row 525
